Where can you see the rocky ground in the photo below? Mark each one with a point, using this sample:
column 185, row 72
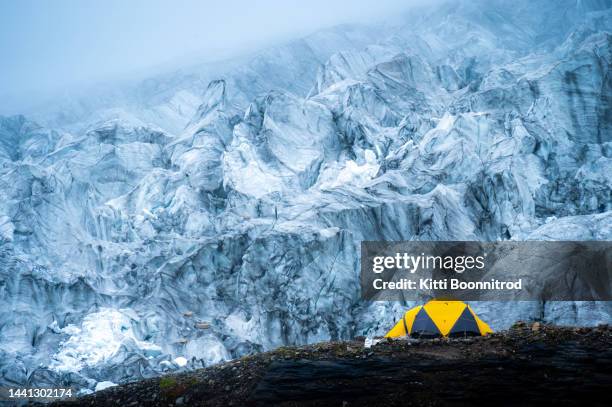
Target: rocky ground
column 526, row 365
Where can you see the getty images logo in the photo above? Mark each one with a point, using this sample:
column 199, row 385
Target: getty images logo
column 413, row 263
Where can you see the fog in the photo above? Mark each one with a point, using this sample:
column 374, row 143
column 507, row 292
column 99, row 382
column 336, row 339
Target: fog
column 47, row 46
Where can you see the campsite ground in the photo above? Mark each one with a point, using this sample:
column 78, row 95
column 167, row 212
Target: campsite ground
column 527, row 365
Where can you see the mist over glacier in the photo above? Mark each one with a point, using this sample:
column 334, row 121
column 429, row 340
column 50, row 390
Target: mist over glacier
column 217, row 210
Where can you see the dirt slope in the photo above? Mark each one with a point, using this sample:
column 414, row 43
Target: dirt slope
column 527, row 365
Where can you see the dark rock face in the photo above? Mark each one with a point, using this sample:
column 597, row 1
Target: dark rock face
column 542, row 373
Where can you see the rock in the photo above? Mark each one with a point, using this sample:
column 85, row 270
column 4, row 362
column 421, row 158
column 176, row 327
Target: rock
column 489, row 361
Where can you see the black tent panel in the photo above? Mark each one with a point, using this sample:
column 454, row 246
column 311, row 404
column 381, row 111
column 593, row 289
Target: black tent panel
column 466, row 325
column 423, row 326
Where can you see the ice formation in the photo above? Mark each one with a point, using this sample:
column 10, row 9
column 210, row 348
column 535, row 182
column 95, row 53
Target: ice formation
column 181, row 224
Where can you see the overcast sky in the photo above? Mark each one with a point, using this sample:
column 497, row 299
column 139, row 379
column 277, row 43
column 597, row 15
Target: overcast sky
column 48, row 45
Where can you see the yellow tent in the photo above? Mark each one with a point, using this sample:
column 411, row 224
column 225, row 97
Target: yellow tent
column 440, row 318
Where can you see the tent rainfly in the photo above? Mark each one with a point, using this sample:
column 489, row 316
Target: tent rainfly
column 439, row 318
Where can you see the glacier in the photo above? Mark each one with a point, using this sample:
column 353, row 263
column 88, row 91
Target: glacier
column 217, row 211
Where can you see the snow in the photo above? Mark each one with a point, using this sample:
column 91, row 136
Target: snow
column 180, row 361
column 104, row 385
column 353, row 173
column 209, row 349
column 100, row 337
